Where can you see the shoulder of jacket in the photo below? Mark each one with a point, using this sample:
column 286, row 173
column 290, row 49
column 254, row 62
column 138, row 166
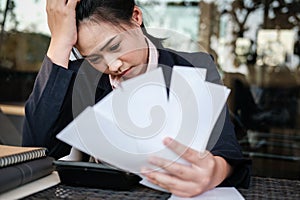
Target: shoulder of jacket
column 197, row 59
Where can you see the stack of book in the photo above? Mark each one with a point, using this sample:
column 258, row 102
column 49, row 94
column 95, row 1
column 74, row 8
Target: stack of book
column 21, row 165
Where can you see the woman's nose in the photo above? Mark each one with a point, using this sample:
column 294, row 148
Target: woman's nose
column 115, row 65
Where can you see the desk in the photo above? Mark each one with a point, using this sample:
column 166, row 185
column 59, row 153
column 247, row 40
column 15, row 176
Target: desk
column 13, row 109
column 261, row 188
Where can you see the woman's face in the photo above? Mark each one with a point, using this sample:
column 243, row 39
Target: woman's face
column 120, row 52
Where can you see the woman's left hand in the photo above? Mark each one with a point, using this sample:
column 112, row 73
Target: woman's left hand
column 205, row 172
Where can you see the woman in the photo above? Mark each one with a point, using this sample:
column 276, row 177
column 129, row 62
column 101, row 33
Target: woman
column 111, row 37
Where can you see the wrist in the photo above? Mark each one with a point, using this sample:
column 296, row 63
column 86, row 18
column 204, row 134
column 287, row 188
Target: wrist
column 59, row 53
column 223, row 170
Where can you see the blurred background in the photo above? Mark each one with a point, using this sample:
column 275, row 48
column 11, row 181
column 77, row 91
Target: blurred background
column 255, row 44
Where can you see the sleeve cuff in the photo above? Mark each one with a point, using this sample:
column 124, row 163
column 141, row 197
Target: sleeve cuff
column 241, row 173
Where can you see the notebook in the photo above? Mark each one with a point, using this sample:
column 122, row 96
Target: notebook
column 10, row 155
column 19, row 174
column 32, row 187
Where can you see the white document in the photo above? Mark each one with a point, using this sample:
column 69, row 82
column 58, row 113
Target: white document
column 128, row 125
column 220, row 193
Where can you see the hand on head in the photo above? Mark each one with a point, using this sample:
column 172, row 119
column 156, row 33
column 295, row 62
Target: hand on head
column 61, row 17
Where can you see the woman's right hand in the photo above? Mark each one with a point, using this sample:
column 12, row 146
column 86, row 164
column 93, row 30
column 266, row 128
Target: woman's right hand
column 62, row 24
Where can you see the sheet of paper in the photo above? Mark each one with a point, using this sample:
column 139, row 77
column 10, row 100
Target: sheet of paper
column 189, row 92
column 209, row 99
column 123, row 132
column 75, row 155
column 224, row 193
column 146, row 183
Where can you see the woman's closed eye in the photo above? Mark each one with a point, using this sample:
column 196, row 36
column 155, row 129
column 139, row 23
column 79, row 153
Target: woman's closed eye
column 95, row 59
column 115, row 47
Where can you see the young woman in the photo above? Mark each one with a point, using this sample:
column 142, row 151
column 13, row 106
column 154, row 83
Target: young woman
column 110, row 36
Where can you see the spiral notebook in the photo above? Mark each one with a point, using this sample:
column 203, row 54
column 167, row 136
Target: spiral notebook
column 10, row 155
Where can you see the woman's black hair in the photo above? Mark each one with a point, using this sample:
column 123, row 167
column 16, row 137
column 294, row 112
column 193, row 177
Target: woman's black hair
column 112, row 11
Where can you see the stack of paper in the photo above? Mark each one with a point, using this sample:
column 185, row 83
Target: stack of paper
column 128, row 125
column 224, row 193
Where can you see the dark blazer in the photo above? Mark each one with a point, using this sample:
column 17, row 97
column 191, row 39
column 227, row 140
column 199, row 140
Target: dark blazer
column 60, row 94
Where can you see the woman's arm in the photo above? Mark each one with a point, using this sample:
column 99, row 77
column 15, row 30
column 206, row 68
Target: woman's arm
column 47, row 109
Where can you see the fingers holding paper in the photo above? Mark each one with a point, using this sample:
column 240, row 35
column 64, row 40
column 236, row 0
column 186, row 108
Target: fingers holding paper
column 186, row 180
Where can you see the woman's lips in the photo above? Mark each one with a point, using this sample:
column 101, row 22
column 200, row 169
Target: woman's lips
column 126, row 71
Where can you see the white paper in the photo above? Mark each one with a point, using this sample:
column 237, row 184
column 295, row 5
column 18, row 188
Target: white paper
column 75, row 155
column 222, row 193
column 127, row 127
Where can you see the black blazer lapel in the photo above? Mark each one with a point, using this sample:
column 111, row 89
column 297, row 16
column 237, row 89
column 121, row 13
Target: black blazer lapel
column 166, row 62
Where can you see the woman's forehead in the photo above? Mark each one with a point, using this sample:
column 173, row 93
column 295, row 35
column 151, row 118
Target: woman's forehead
column 101, row 29
column 101, row 25
column 92, row 34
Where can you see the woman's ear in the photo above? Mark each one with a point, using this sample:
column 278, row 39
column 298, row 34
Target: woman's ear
column 137, row 15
